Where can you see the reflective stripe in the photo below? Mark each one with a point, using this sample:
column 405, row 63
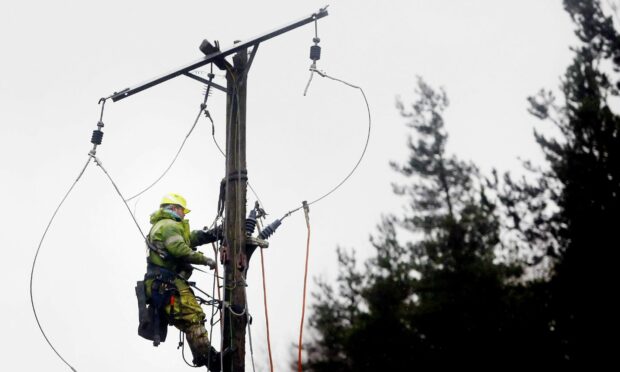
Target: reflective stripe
column 174, row 239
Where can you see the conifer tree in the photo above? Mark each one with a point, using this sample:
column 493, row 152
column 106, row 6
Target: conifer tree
column 436, row 300
column 571, row 213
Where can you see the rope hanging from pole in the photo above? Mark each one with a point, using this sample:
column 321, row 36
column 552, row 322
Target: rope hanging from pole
column 303, row 304
column 262, row 264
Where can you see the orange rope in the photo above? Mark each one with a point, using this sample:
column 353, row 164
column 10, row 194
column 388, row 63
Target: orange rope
column 303, row 307
column 262, row 264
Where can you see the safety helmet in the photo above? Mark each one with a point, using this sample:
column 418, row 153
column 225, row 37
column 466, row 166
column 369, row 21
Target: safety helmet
column 175, row 199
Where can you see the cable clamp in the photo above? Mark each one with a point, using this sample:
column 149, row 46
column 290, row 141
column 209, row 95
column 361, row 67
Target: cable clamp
column 238, row 175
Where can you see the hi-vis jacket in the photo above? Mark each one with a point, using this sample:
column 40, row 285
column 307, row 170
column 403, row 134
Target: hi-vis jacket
column 172, row 236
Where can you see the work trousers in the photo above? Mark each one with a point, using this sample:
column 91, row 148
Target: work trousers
column 184, row 312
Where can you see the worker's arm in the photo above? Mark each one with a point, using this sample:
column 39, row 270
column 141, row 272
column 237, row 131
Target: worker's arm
column 200, row 237
column 177, row 247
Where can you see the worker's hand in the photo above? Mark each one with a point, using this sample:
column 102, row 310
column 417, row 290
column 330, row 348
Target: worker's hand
column 198, row 258
column 211, row 263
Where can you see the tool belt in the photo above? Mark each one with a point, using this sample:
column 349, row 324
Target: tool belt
column 153, row 321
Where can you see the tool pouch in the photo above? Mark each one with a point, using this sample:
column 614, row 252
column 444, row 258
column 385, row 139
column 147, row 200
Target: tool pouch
column 153, row 324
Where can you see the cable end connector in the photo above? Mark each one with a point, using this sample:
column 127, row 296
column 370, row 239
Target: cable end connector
column 260, row 212
column 306, row 210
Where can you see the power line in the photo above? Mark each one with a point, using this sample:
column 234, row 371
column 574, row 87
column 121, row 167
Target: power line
column 202, row 108
column 36, row 255
column 333, row 189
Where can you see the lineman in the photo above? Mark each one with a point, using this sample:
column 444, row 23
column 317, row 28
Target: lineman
column 172, row 250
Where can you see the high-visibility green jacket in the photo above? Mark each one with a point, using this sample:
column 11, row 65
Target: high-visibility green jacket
column 171, row 234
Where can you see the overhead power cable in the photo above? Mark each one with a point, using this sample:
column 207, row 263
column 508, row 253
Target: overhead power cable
column 118, row 191
column 36, row 255
column 365, row 143
column 361, row 157
column 202, row 108
column 96, row 139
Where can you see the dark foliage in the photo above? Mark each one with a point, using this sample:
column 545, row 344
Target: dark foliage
column 455, row 292
column 583, row 185
column 441, row 299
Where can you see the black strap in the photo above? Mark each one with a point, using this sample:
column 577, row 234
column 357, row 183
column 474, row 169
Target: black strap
column 160, row 273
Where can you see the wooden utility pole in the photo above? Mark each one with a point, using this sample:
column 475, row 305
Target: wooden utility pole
column 234, row 311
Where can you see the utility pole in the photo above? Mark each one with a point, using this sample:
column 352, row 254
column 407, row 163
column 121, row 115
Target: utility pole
column 234, row 312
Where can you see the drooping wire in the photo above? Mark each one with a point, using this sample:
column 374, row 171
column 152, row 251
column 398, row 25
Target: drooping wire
column 365, row 143
column 249, row 325
column 182, row 346
column 361, row 157
column 118, row 191
column 36, row 255
column 173, row 159
column 213, row 134
column 309, row 81
column 303, row 306
column 96, row 139
column 203, row 108
column 213, row 301
column 224, row 154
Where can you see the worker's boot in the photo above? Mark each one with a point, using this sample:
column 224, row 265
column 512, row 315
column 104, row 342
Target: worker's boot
column 204, row 354
column 214, row 363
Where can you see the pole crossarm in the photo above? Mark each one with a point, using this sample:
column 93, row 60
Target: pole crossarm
column 186, row 69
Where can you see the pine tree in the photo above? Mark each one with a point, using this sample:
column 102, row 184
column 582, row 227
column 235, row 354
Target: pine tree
column 441, row 298
column 574, row 207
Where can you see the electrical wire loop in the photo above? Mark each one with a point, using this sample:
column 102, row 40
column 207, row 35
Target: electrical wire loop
column 325, row 75
column 176, row 156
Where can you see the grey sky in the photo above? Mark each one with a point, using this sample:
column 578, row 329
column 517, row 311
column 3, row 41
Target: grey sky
column 59, row 58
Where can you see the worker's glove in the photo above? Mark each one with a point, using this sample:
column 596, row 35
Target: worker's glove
column 209, row 236
column 211, row 263
column 204, row 260
column 198, row 258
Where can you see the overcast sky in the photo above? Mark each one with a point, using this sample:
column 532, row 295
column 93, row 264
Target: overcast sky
column 58, row 58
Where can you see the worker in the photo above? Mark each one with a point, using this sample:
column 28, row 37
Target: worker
column 172, row 251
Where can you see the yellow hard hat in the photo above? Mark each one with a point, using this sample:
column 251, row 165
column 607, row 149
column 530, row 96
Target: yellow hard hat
column 175, row 199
